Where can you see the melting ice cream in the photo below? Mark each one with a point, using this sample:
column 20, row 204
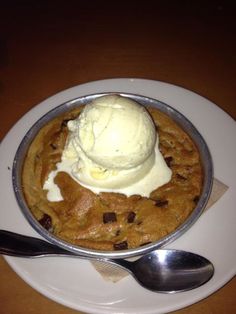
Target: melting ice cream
column 112, row 147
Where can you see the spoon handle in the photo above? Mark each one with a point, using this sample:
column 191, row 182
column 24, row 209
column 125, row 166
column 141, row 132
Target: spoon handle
column 161, row 270
column 24, row 246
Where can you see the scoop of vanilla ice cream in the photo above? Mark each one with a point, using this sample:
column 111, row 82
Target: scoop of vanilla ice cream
column 113, row 141
column 114, row 132
column 113, row 146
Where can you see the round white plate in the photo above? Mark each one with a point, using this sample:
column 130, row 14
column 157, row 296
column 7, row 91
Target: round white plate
column 74, row 282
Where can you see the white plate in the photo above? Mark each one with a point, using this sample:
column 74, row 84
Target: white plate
column 74, row 282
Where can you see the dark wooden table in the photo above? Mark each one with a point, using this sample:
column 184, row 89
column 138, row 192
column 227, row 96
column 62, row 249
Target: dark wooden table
column 48, row 46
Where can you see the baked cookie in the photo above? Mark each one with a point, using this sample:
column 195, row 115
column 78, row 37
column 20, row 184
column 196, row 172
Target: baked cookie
column 112, row 221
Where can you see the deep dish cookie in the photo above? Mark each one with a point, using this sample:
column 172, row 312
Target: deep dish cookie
column 112, row 221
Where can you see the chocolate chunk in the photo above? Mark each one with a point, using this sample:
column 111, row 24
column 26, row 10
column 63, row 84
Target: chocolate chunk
column 109, row 217
column 180, row 177
column 168, row 160
column 131, row 217
column 64, row 123
column 121, row 246
column 118, row 232
column 46, row 221
column 146, row 243
column 196, row 199
column 53, row 146
column 161, row 203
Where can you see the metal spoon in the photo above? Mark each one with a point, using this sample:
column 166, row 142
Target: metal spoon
column 166, row 271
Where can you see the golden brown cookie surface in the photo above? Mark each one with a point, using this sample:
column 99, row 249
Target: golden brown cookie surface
column 110, row 221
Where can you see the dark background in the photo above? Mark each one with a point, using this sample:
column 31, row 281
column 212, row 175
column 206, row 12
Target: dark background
column 47, row 46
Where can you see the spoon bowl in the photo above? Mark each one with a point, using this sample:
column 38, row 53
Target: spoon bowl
column 164, row 270
column 170, row 271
